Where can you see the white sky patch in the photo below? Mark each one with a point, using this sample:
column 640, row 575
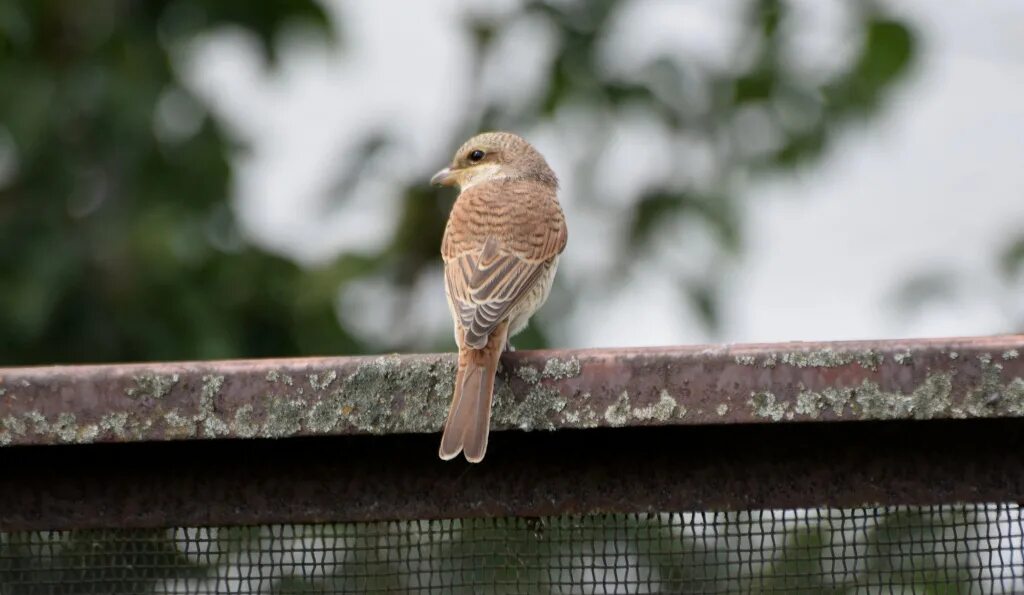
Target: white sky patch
column 706, row 31
column 647, row 308
column 818, row 37
column 933, row 182
column 518, row 62
column 304, row 119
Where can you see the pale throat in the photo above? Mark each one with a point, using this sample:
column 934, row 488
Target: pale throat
column 485, row 172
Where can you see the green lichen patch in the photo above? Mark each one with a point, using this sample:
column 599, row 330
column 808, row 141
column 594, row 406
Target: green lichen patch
column 88, row 433
column 321, row 382
column 207, row 419
column 813, row 403
column 244, row 423
column 809, row 404
column 387, row 395
column 617, row 414
column 536, row 411
column 528, row 374
column 722, row 410
column 325, row 416
column 38, row 421
column 584, row 415
column 746, row 360
column 1008, row 355
column 660, row 411
column 211, row 388
column 993, row 397
column 764, row 405
column 11, row 427
column 213, row 426
column 65, row 427
column 903, row 358
column 178, row 425
column 152, row 386
column 930, row 399
column 557, row 369
column 284, row 417
column 868, row 359
column 115, row 423
column 1014, row 397
column 275, row 376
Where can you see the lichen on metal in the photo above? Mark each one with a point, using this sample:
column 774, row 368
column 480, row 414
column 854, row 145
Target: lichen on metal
column 746, row 360
column 617, row 414
column 532, row 411
column 828, row 357
column 931, row 399
column 528, row 374
column 993, row 397
column 661, row 411
column 320, row 382
column 154, row 386
column 534, row 391
column 903, row 357
column 212, row 425
column 557, row 369
column 765, row 405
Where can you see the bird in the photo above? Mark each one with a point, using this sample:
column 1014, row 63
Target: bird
column 501, row 245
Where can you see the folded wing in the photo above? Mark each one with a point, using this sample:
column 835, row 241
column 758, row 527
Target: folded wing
column 485, row 286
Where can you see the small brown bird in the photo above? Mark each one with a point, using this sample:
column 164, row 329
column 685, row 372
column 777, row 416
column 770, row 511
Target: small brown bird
column 500, row 251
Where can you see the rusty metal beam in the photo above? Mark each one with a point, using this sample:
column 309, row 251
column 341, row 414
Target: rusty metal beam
column 369, row 478
column 357, row 450
column 798, row 382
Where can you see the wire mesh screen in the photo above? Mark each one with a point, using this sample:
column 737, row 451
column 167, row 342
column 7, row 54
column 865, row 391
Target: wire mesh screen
column 943, row 549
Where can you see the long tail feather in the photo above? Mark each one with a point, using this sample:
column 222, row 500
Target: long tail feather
column 469, row 417
column 451, row 440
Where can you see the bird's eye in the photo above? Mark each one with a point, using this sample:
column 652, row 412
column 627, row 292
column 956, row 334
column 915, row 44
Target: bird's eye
column 476, row 155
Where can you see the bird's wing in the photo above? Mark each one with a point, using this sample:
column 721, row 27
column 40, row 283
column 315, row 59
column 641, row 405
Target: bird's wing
column 483, row 288
column 489, row 275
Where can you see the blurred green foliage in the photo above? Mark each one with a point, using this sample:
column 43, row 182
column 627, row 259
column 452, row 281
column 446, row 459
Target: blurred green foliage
column 872, row 550
column 117, row 242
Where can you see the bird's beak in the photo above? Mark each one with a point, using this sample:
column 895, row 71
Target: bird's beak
column 445, row 177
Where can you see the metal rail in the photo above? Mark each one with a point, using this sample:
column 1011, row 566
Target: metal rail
column 540, row 390
column 191, row 443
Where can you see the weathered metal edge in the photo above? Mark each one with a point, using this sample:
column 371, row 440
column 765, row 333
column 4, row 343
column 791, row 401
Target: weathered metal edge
column 980, row 377
column 624, row 470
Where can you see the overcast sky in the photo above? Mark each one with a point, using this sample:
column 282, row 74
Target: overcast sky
column 934, row 184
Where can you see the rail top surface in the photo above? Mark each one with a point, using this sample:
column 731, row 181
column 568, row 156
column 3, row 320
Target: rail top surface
column 539, row 390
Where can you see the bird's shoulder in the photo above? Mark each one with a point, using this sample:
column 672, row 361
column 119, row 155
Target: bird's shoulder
column 523, row 215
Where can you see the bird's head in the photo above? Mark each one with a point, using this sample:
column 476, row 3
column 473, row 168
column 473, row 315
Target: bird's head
column 495, row 156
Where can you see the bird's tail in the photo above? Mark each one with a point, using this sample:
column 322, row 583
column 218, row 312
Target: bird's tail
column 469, row 418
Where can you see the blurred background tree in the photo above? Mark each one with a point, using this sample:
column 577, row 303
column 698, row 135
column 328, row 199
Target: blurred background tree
column 118, row 241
